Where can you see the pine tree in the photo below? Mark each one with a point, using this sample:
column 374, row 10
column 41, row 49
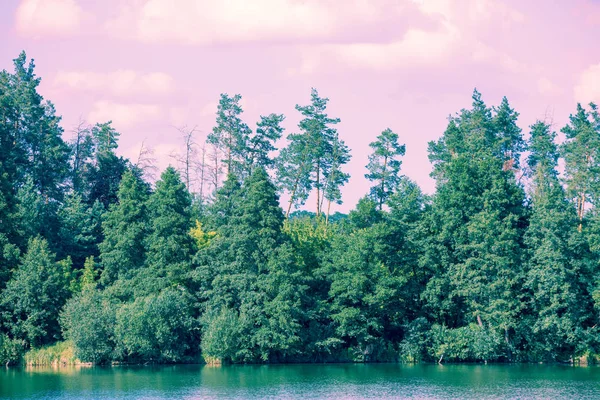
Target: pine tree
column 262, row 143
column 231, row 134
column 169, row 245
column 125, row 228
column 384, row 166
column 313, row 158
column 248, row 272
column 477, row 223
column 105, row 138
column 42, row 153
column 553, row 268
column 78, row 230
column 581, row 152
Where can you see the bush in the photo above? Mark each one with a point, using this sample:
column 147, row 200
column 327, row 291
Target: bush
column 221, row 336
column 156, row 327
column 11, row 350
column 88, row 321
column 468, row 343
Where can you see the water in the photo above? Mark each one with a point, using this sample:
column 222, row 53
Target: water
column 334, row 381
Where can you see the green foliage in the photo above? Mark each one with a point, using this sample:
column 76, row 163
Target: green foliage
column 79, row 226
column 468, row 343
column 231, row 135
column 88, row 320
column 61, row 353
column 249, row 267
column 581, row 154
column 156, row 327
column 268, row 131
column 169, row 245
column 313, row 158
column 384, row 166
column 476, row 228
column 125, row 227
column 34, row 295
column 11, row 350
column 482, row 270
column 221, row 334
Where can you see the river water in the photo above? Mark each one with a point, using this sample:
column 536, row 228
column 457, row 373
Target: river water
column 307, row 381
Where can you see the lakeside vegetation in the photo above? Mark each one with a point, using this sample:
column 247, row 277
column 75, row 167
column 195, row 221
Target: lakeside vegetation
column 99, row 263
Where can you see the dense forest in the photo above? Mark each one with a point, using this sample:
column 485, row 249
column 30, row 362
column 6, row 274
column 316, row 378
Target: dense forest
column 204, row 262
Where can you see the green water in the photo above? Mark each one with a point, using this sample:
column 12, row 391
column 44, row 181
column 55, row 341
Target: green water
column 303, row 382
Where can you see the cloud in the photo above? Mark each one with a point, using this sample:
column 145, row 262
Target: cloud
column 547, row 87
column 209, row 22
column 41, row 17
column 120, row 83
column 416, row 48
column 477, row 11
column 123, row 115
column 454, row 40
column 588, row 86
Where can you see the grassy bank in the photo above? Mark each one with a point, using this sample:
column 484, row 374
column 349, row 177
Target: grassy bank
column 61, row 353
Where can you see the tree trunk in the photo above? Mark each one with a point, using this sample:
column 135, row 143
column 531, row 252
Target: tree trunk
column 385, row 161
column 318, row 189
column 292, row 196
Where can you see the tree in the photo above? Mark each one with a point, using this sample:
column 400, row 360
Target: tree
column 384, row 166
column 105, row 138
column 261, row 144
column 34, row 296
column 554, row 268
column 313, row 158
column 82, row 152
column 146, row 163
column 156, row 327
column 187, row 161
column 125, row 227
column 40, row 150
column 32, row 214
column 336, row 178
column 364, row 294
column 169, row 244
column 231, row 134
column 581, row 153
column 477, row 224
column 247, row 274
column 88, row 321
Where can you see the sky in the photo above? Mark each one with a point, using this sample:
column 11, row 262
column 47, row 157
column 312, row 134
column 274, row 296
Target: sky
column 152, row 66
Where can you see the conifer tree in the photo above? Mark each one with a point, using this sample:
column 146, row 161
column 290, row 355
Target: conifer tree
column 231, row 134
column 554, row 268
column 477, row 224
column 581, row 152
column 169, row 245
column 125, row 228
column 384, row 166
column 262, row 143
column 313, row 158
column 79, row 230
column 43, row 154
column 249, row 273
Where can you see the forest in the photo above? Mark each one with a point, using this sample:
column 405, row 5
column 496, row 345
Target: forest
column 203, row 263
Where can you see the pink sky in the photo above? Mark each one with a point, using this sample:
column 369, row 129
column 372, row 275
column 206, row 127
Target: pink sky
column 150, row 65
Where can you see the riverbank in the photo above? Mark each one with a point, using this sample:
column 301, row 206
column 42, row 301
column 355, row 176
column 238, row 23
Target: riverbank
column 62, row 354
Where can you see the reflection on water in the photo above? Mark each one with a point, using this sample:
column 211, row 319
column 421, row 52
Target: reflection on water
column 302, row 381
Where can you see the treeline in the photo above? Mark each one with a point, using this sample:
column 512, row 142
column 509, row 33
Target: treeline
column 500, row 264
